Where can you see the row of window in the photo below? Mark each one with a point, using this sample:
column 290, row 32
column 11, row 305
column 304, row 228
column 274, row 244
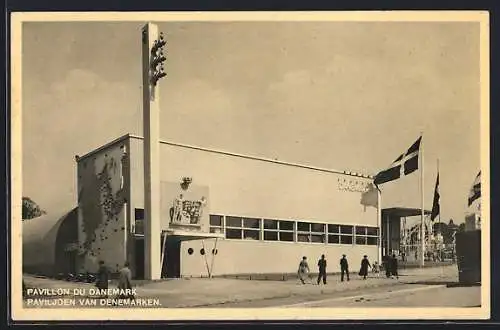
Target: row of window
column 285, row 231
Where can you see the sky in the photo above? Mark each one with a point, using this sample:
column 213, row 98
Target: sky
column 339, row 95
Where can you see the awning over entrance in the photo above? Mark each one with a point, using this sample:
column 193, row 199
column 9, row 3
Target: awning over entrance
column 391, row 226
column 186, row 235
column 402, row 212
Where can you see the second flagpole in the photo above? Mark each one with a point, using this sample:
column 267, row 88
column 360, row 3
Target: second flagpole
column 422, row 221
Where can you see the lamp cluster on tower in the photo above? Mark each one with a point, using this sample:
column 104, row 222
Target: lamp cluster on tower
column 157, row 59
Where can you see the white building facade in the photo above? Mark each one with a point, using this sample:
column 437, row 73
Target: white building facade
column 223, row 213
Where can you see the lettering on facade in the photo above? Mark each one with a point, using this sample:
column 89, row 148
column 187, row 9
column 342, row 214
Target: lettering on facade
column 187, row 212
column 353, row 185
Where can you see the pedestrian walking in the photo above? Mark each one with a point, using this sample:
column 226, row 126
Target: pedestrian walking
column 344, row 268
column 365, row 264
column 387, row 266
column 125, row 281
column 376, row 269
column 303, row 270
column 322, row 269
column 102, row 279
column 394, row 266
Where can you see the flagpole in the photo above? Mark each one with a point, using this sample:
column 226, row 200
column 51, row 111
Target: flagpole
column 439, row 214
column 422, row 222
column 439, row 249
column 379, row 224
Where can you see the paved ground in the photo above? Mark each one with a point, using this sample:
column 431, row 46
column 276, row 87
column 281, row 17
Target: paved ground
column 426, row 296
column 219, row 292
column 400, row 295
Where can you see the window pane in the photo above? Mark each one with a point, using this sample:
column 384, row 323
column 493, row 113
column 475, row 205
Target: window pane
column 139, row 227
column 251, row 234
column 318, row 227
column 270, row 236
column 333, row 239
column 318, row 238
column 215, row 220
column 286, row 225
column 346, row 229
column 360, row 230
column 303, row 226
column 139, row 214
column 286, row 236
column 361, row 240
column 333, row 229
column 303, row 238
column 372, row 240
column 270, row 224
column 345, row 239
column 233, row 233
column 373, row 231
column 251, row 223
column 233, row 222
column 216, row 230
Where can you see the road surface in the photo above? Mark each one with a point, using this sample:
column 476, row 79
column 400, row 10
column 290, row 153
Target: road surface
column 404, row 295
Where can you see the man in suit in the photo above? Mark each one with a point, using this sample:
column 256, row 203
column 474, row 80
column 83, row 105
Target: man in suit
column 344, row 268
column 102, row 279
column 322, row 269
column 125, row 281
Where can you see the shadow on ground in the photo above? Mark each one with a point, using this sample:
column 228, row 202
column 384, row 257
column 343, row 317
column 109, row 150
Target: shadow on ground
column 449, row 284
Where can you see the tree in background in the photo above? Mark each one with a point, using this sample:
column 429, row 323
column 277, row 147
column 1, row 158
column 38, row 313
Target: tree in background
column 31, row 209
column 447, row 230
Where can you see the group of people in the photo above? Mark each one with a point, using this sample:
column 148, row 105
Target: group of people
column 124, row 279
column 390, row 265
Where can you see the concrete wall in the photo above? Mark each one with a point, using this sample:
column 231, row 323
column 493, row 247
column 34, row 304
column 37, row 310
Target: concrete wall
column 246, row 187
column 102, row 205
column 243, row 257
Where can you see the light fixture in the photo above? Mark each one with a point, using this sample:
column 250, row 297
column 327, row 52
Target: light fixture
column 185, row 182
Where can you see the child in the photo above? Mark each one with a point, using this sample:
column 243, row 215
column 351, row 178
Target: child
column 376, row 268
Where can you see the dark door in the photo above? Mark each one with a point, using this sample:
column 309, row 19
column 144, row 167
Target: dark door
column 139, row 259
column 172, row 260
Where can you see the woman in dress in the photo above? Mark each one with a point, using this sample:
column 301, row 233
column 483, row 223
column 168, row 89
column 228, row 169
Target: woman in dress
column 364, row 267
column 303, row 270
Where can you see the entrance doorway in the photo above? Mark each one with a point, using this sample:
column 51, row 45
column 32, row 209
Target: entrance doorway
column 172, row 261
column 139, row 258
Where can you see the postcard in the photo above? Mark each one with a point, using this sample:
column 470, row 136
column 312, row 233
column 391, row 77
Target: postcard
column 250, row 165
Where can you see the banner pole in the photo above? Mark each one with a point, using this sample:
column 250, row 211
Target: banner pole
column 422, row 221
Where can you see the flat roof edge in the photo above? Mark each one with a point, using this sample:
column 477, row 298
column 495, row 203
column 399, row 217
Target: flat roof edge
column 227, row 153
column 104, row 146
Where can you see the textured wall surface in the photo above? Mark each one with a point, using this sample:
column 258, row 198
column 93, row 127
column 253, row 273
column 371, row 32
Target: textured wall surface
column 102, row 201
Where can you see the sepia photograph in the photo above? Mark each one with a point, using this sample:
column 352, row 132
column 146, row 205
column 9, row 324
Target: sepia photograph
column 250, row 165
